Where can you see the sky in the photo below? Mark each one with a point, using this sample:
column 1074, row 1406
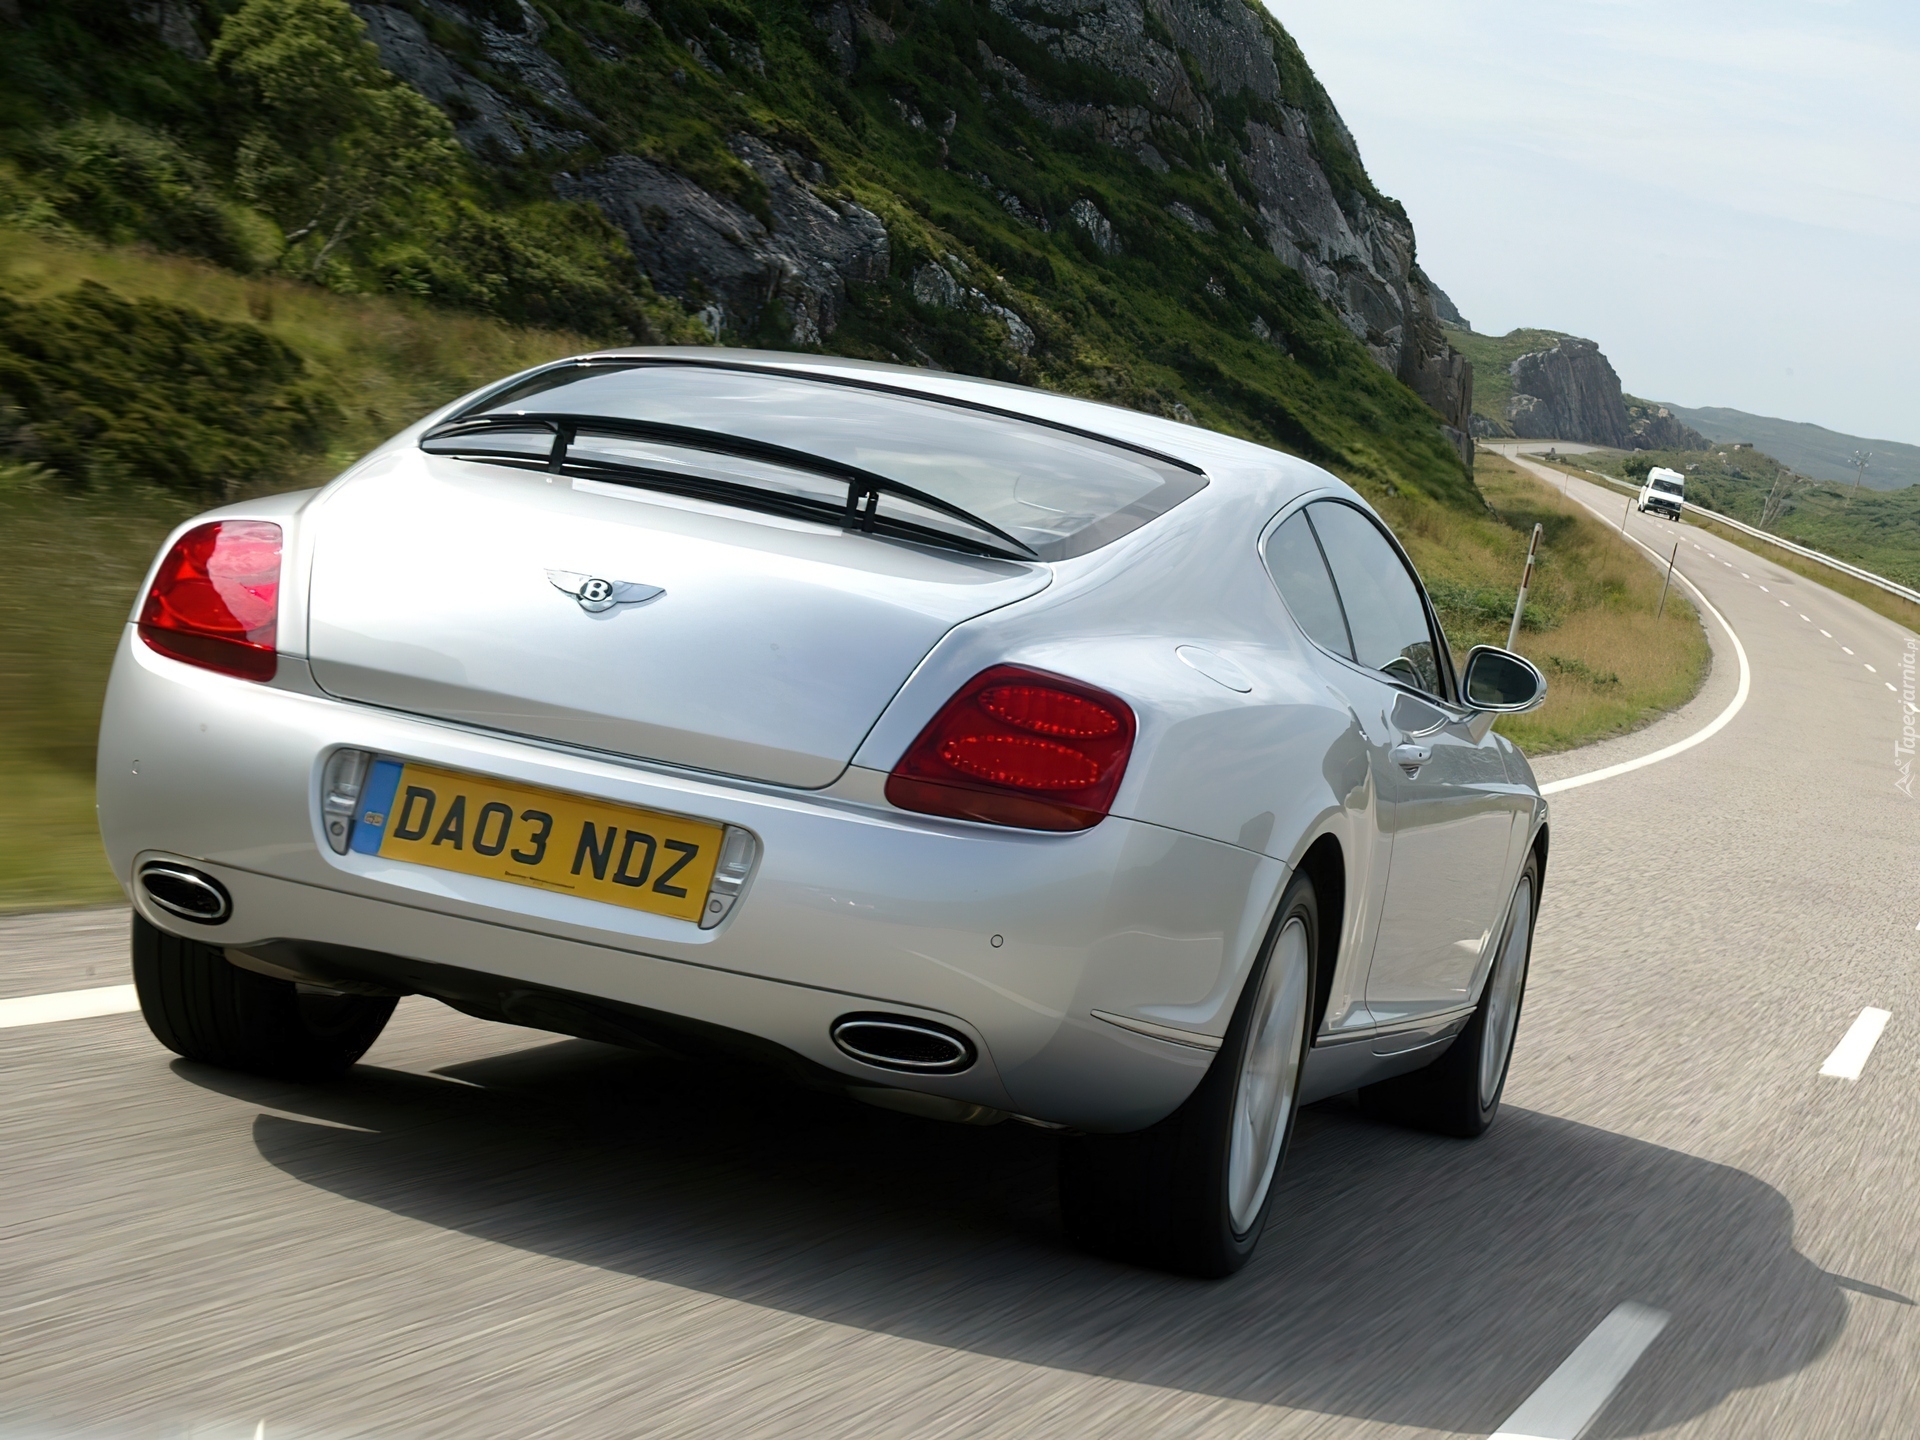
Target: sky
column 1725, row 195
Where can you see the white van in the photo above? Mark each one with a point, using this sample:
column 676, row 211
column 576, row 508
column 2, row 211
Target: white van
column 1663, row 493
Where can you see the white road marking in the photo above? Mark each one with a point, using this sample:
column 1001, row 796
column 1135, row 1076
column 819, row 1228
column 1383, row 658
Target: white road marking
column 1827, row 633
column 67, row 1005
column 1849, row 1057
column 1706, row 732
column 1845, row 648
column 1785, row 603
column 1870, row 669
column 1765, row 588
column 1712, row 727
column 1745, row 576
column 1889, row 685
column 1805, row 618
column 1568, row 1399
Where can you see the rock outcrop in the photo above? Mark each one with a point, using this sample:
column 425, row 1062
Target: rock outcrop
column 1655, row 427
column 486, row 121
column 702, row 248
column 1448, row 312
column 935, row 285
column 1570, row 392
column 1357, row 255
column 710, row 251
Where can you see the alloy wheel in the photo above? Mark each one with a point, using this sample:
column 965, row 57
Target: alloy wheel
column 1269, row 1074
column 1503, row 994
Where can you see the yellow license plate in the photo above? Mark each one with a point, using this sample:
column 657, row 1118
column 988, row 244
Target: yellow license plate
column 544, row 838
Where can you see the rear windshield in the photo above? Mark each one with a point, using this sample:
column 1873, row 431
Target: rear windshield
column 1668, row 487
column 1059, row 493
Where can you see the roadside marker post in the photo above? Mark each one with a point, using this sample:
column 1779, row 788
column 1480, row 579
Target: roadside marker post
column 1668, row 581
column 1623, row 517
column 1526, row 579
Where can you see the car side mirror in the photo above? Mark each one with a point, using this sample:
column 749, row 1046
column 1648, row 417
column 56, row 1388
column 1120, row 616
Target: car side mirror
column 1501, row 682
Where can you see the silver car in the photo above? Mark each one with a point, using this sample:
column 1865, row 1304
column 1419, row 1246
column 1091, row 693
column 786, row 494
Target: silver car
column 979, row 751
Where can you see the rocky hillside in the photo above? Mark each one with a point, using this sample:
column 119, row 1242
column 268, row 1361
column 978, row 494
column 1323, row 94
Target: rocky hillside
column 1147, row 201
column 1542, row 385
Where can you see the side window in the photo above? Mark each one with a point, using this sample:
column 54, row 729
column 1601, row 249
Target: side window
column 1293, row 559
column 1381, row 600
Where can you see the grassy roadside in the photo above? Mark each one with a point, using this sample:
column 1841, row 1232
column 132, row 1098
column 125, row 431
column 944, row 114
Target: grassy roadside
column 69, row 564
column 1590, row 623
column 384, row 361
column 71, row 556
column 1893, row 607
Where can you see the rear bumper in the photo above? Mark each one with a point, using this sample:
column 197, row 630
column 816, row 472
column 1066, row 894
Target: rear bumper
column 853, row 905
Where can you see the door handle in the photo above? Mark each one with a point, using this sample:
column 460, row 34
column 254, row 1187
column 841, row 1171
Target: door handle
column 1410, row 757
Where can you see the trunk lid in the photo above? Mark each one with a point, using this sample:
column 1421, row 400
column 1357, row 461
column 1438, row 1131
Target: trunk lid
column 771, row 648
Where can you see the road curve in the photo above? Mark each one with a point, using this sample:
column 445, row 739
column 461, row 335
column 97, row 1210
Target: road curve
column 490, row 1232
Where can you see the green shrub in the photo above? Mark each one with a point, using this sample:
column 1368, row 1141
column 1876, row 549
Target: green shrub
column 1472, row 607
column 122, row 182
column 104, row 390
column 547, row 265
column 335, row 143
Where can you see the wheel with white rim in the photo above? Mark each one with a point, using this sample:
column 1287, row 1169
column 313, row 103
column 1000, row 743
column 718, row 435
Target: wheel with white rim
column 1192, row 1193
column 1459, row 1094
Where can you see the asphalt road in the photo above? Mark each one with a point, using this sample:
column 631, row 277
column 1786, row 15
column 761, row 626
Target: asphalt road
column 490, row 1232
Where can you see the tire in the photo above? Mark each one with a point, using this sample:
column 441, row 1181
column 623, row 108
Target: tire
column 1191, row 1194
column 203, row 1008
column 1459, row 1094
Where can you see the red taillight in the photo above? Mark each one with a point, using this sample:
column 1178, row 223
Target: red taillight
column 215, row 601
column 1018, row 747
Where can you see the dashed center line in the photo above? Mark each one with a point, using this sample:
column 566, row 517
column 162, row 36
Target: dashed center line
column 1870, row 669
column 1889, row 685
column 1568, row 1399
column 1764, row 590
column 67, row 1005
column 1849, row 1057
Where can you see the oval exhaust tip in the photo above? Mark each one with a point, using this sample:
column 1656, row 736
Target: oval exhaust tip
column 186, row 893
column 901, row 1042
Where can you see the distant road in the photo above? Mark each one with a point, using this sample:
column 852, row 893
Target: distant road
column 490, row 1232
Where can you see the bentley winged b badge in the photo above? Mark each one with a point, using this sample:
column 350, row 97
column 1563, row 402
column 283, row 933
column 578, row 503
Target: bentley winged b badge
column 595, row 594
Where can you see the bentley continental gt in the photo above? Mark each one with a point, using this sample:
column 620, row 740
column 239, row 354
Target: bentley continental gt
column 982, row 752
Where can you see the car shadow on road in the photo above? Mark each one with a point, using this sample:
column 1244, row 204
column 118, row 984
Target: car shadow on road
column 1404, row 1279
